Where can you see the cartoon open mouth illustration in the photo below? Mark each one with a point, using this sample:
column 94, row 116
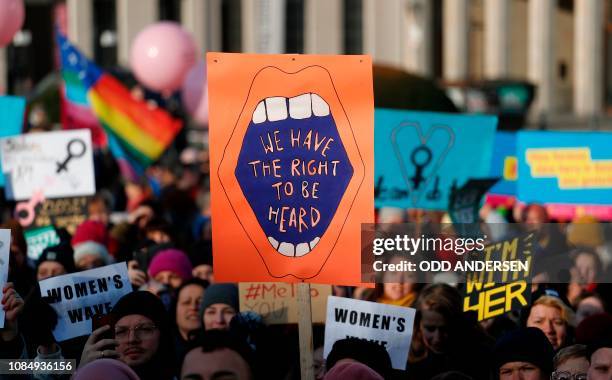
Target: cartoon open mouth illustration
column 297, row 169
column 294, row 152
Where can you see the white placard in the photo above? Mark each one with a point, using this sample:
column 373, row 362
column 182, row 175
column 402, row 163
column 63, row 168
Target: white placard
column 389, row 326
column 5, row 251
column 77, row 297
column 58, row 163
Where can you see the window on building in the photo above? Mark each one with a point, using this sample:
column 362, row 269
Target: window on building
column 170, row 10
column 294, row 26
column 231, row 37
column 105, row 33
column 30, row 55
column 353, row 26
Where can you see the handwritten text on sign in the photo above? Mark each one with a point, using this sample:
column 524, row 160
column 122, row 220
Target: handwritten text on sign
column 59, row 163
column 276, row 302
column 494, row 293
column 293, row 174
column 77, row 297
column 389, row 326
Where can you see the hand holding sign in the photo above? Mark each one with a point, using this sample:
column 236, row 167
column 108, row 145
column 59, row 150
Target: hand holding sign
column 98, row 348
column 12, row 305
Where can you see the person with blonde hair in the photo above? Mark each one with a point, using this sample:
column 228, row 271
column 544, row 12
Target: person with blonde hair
column 551, row 315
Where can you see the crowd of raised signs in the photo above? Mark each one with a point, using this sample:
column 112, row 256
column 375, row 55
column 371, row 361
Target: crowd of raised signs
column 177, row 322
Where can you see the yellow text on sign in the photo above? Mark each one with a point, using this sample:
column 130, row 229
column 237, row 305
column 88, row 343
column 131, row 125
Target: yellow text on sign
column 573, row 167
column 497, row 301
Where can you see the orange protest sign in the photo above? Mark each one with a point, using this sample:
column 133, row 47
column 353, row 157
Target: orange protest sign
column 291, row 152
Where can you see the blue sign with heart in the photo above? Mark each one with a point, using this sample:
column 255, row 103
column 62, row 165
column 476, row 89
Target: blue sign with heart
column 420, row 155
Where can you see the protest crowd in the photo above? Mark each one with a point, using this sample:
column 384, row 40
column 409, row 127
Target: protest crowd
column 122, row 275
column 178, row 322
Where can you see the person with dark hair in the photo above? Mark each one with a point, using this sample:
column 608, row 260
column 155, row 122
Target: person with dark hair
column 600, row 356
column 219, row 306
column 218, row 354
column 186, row 313
column 368, row 353
column 525, row 352
column 55, row 261
column 200, row 255
column 142, row 337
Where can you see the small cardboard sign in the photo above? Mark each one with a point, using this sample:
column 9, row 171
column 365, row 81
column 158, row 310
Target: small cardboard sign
column 5, row 249
column 65, row 213
column 276, row 302
column 389, row 326
column 59, row 163
column 77, row 297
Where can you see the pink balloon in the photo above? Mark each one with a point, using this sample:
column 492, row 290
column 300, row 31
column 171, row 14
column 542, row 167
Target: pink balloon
column 195, row 93
column 12, row 15
column 161, row 55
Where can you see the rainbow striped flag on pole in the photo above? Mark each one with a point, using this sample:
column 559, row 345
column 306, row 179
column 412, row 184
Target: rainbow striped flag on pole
column 137, row 135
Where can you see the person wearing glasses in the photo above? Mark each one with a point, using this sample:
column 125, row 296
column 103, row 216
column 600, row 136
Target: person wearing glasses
column 571, row 363
column 141, row 338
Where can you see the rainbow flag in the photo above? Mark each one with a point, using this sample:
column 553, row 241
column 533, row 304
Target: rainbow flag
column 137, row 135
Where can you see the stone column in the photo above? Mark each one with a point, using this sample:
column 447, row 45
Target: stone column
column 80, row 25
column 263, row 26
column 132, row 17
column 541, row 54
column 418, row 33
column 588, row 57
column 496, row 38
column 324, row 29
column 455, row 39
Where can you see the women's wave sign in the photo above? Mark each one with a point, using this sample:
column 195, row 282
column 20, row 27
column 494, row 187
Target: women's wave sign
column 77, row 297
column 292, row 163
column 420, row 155
column 387, row 325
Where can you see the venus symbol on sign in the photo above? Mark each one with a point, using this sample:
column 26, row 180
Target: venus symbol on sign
column 76, row 148
column 420, row 158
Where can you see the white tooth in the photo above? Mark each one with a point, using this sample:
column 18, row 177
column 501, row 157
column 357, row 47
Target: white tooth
column 314, row 242
column 276, row 108
column 259, row 116
column 273, row 241
column 286, row 249
column 319, row 107
column 299, row 107
column 301, row 249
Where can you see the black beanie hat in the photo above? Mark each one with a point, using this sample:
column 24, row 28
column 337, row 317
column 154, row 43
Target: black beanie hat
column 61, row 253
column 201, row 253
column 141, row 303
column 525, row 345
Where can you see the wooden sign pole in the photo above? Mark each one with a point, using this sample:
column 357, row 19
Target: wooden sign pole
column 305, row 331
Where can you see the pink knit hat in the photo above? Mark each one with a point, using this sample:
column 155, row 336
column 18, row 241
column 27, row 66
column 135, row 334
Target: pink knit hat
column 173, row 260
column 352, row 370
column 103, row 369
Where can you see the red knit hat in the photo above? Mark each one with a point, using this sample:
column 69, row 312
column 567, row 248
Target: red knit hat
column 90, row 230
